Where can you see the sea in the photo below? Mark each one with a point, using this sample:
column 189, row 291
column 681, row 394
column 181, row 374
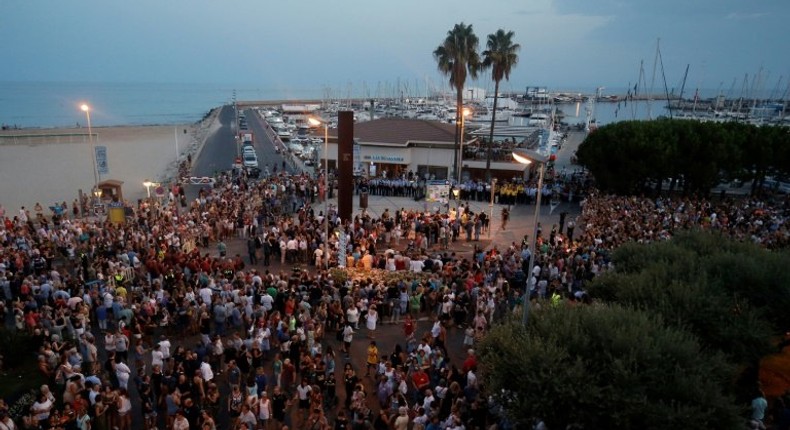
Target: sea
column 57, row 104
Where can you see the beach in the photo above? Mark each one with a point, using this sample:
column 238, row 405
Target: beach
column 52, row 165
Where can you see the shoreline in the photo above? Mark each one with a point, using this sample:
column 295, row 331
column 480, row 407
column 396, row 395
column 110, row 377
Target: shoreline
column 51, row 165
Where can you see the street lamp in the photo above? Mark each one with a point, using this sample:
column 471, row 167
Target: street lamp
column 456, row 193
column 148, row 184
column 525, row 156
column 491, row 207
column 317, row 122
column 464, row 113
column 87, row 109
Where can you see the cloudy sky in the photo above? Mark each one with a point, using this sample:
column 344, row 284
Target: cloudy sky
column 342, row 43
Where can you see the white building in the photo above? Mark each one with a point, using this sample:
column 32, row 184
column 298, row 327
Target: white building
column 398, row 145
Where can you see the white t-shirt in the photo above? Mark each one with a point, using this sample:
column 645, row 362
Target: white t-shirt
column 42, row 409
column 352, row 315
column 157, row 358
column 206, row 372
column 164, row 346
column 304, row 391
column 267, row 301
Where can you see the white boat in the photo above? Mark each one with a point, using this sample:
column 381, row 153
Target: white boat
column 483, row 114
column 539, row 120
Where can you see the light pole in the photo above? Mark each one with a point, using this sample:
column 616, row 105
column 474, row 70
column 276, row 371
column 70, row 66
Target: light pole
column 318, row 122
column 148, row 184
column 525, row 156
column 87, row 109
column 491, row 207
column 464, row 113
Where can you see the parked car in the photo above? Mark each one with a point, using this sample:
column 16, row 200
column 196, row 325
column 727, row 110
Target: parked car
column 250, row 159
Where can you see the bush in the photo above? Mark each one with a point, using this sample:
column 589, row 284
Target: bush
column 606, row 367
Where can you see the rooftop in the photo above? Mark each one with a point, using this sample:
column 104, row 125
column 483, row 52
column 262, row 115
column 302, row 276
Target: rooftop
column 402, row 130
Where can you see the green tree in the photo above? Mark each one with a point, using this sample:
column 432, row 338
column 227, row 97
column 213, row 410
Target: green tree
column 626, row 156
column 733, row 296
column 501, row 56
column 458, row 58
column 605, row 367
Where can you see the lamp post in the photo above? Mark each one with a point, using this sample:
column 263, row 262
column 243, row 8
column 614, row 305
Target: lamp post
column 464, row 113
column 491, row 207
column 318, row 122
column 525, row 156
column 456, row 193
column 87, row 109
column 148, row 184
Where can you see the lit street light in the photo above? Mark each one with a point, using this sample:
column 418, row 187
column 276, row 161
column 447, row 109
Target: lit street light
column 148, row 184
column 525, row 156
column 317, row 122
column 87, row 109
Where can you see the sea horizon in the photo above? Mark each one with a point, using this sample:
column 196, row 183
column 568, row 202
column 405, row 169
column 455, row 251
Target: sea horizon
column 43, row 105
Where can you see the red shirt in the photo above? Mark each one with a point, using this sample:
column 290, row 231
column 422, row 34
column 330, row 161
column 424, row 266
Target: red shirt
column 420, row 379
column 408, row 328
column 470, row 362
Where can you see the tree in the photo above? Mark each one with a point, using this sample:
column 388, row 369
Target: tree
column 733, row 296
column 607, row 367
column 457, row 57
column 626, row 156
column 501, row 57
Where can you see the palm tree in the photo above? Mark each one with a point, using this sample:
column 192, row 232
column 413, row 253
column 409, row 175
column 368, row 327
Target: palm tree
column 457, row 57
column 501, row 57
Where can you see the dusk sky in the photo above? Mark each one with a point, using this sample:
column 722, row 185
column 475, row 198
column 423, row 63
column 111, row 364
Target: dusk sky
column 566, row 44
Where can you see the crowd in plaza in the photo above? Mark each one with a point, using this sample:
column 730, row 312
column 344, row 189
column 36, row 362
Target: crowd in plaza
column 104, row 301
column 113, row 306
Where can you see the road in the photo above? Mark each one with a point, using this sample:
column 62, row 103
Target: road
column 219, row 151
column 263, row 144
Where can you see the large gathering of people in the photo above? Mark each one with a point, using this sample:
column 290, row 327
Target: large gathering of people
column 113, row 306
column 160, row 320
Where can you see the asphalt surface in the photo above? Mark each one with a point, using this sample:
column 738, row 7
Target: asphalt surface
column 264, row 145
column 219, row 151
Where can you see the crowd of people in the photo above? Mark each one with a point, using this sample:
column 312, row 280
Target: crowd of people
column 560, row 185
column 154, row 318
column 111, row 307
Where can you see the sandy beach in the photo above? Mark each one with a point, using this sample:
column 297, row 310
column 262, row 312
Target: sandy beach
column 52, row 165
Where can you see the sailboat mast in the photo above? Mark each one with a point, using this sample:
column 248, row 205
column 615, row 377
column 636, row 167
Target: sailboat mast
column 664, row 76
column 683, row 85
column 652, row 83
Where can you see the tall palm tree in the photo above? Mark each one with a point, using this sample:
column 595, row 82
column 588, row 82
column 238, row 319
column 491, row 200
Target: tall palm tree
column 501, row 57
column 457, row 57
